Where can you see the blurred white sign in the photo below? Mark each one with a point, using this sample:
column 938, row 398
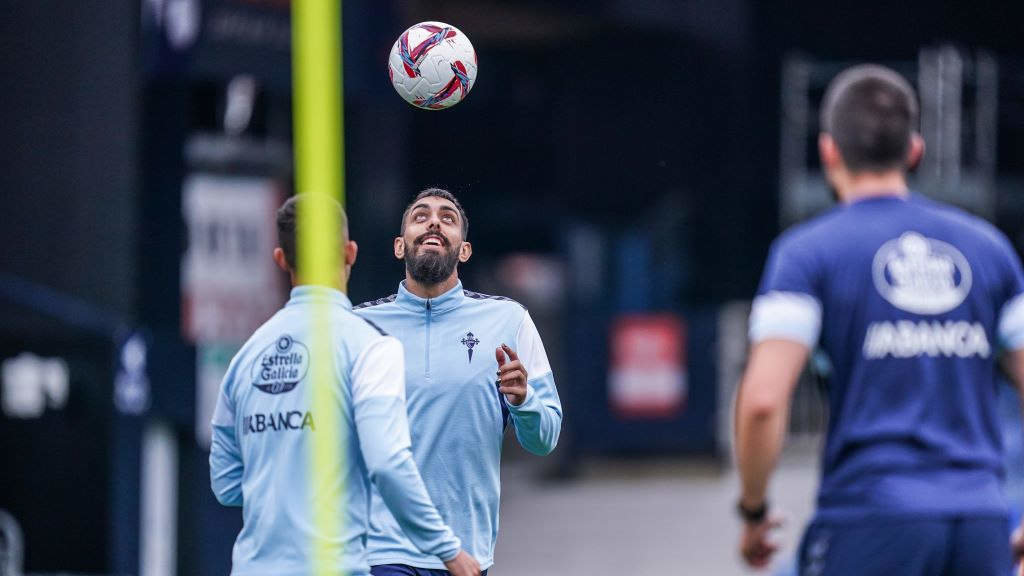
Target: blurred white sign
column 230, row 284
column 31, row 384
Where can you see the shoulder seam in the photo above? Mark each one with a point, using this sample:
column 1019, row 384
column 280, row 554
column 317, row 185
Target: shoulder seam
column 377, row 302
column 375, row 327
column 480, row 296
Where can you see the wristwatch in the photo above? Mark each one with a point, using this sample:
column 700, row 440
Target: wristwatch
column 752, row 515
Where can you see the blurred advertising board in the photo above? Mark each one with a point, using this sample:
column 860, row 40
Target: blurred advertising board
column 648, row 375
column 230, row 284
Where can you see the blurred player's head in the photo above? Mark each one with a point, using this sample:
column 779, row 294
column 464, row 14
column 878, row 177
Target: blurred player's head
column 869, row 119
column 286, row 255
column 433, row 237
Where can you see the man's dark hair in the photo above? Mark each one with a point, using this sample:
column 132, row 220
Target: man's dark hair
column 440, row 193
column 287, row 222
column 871, row 113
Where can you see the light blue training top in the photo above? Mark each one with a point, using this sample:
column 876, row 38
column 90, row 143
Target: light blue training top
column 263, row 429
column 457, row 415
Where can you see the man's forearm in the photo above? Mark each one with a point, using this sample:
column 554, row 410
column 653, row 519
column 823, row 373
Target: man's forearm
column 760, row 432
column 538, row 420
column 384, row 442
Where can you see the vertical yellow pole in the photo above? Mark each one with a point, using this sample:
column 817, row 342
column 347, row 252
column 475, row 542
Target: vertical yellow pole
column 319, row 167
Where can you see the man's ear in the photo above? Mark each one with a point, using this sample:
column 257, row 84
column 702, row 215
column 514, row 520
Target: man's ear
column 400, row 248
column 351, row 251
column 916, row 152
column 829, row 152
column 465, row 251
column 280, row 260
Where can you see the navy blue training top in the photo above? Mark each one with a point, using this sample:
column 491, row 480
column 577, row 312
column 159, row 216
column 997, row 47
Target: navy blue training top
column 911, row 299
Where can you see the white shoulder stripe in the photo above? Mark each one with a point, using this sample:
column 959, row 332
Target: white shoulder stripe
column 530, row 349
column 786, row 316
column 379, row 371
column 1011, row 323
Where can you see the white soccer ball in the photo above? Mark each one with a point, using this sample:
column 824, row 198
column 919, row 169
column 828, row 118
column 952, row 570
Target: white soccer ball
column 432, row 65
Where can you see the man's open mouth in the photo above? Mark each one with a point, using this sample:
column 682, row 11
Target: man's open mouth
column 433, row 240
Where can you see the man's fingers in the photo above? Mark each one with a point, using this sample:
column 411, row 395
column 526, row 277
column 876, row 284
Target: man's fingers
column 512, row 376
column 499, row 355
column 511, row 353
column 511, row 365
column 756, row 545
column 511, row 388
column 511, row 368
column 761, row 555
column 757, row 557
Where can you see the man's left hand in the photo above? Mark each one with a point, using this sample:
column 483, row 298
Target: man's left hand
column 511, row 375
column 1017, row 545
column 756, row 545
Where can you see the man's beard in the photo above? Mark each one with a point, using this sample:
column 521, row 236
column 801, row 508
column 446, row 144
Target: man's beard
column 431, row 268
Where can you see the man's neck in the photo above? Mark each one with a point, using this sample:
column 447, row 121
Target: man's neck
column 875, row 184
column 429, row 291
column 340, row 284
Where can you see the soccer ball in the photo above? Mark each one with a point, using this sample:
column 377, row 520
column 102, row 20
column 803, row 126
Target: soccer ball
column 432, row 65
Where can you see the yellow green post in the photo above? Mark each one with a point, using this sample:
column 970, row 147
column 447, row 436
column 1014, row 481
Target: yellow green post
column 319, row 171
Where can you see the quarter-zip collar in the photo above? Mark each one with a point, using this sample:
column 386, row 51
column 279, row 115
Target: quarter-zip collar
column 450, row 300
column 308, row 293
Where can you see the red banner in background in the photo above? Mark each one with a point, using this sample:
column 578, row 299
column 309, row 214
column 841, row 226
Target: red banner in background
column 648, row 377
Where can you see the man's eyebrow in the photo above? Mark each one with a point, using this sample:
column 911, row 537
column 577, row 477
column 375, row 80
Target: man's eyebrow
column 444, row 208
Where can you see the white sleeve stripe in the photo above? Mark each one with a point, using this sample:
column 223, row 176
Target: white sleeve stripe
column 379, row 370
column 530, row 349
column 786, row 316
column 1011, row 323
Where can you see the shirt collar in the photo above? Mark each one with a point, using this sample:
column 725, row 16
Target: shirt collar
column 307, row 293
column 448, row 301
column 910, row 196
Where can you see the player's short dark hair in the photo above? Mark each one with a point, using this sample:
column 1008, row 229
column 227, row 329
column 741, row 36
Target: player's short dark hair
column 871, row 112
column 440, row 193
column 287, row 222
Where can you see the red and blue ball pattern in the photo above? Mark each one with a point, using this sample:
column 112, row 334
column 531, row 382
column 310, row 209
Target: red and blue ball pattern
column 432, row 65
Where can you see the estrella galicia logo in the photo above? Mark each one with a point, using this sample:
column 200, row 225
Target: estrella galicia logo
column 470, row 341
column 281, row 366
column 921, row 275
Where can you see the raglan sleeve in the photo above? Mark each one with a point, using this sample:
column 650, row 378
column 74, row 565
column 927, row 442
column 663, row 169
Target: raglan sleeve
column 378, row 399
column 226, row 464
column 538, row 420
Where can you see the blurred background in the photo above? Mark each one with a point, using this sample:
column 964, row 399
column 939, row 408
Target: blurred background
column 624, row 164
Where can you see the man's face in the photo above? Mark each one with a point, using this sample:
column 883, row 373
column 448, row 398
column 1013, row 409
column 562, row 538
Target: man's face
column 432, row 244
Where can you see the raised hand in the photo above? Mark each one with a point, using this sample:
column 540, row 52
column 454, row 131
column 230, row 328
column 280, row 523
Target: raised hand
column 511, row 375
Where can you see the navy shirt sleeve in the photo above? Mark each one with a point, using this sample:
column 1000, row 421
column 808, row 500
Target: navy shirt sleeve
column 1011, row 314
column 788, row 304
